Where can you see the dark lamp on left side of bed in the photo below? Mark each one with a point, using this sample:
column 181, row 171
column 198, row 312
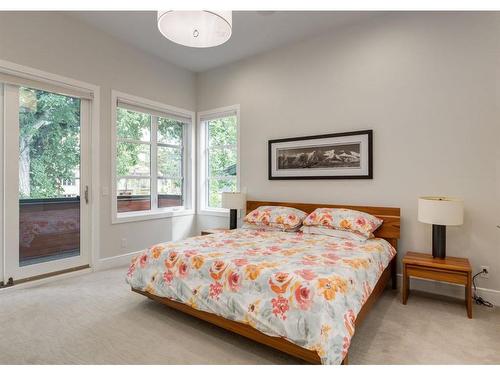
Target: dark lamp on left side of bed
column 234, row 201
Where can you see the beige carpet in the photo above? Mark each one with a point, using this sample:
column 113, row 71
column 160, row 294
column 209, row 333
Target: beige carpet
column 95, row 319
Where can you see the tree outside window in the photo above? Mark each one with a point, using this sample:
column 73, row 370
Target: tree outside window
column 49, row 145
column 222, row 158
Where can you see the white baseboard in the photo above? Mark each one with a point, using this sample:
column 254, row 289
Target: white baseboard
column 100, row 265
column 116, row 261
column 450, row 290
column 45, row 280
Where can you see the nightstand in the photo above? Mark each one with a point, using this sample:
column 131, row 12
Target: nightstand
column 204, row 232
column 450, row 269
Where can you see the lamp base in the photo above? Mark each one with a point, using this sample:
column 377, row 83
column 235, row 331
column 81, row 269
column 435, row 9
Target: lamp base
column 232, row 218
column 439, row 241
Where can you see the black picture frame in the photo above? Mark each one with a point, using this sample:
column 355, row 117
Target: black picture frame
column 368, row 154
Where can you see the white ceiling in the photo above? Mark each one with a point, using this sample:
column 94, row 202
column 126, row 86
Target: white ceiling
column 253, row 33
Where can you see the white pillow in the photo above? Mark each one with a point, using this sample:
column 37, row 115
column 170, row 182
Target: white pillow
column 342, row 234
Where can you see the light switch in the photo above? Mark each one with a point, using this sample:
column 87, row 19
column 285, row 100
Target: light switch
column 105, row 191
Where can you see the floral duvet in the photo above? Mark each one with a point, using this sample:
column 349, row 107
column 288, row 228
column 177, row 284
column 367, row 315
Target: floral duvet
column 307, row 288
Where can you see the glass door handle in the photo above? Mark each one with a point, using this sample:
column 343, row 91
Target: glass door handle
column 86, row 194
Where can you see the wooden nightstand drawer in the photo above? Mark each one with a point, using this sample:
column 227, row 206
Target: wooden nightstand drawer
column 449, row 276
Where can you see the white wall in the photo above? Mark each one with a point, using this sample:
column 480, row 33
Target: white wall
column 426, row 83
column 60, row 44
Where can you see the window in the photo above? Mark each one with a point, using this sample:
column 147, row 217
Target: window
column 219, row 156
column 133, row 160
column 151, row 149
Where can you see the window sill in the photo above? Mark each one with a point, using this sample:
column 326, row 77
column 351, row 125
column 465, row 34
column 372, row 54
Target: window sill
column 143, row 216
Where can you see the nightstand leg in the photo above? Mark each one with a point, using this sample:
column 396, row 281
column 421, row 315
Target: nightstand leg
column 468, row 296
column 394, row 274
column 406, row 286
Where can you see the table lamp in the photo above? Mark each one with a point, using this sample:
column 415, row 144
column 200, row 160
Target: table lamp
column 440, row 212
column 234, row 201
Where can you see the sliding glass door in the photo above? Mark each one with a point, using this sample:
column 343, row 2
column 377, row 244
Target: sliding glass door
column 46, row 179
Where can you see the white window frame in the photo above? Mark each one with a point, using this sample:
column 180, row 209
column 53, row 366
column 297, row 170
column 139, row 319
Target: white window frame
column 188, row 161
column 68, row 84
column 203, row 117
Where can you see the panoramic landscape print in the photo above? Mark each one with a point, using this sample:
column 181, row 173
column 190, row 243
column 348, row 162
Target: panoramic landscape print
column 330, row 156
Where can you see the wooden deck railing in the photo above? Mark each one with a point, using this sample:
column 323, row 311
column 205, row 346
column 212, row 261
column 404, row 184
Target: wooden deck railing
column 48, row 227
column 128, row 203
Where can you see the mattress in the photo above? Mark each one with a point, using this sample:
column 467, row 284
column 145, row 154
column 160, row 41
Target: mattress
column 306, row 288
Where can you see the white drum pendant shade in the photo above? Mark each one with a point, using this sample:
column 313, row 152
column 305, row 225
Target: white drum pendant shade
column 196, row 28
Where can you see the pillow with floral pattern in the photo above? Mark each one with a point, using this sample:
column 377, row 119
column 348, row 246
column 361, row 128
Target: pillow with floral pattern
column 285, row 218
column 342, row 234
column 267, row 228
column 344, row 219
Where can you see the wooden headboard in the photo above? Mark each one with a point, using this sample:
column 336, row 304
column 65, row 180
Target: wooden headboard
column 389, row 230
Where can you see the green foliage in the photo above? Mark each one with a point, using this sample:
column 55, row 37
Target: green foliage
column 222, row 161
column 49, row 126
column 222, row 131
column 132, row 159
column 216, row 187
column 169, row 162
column 135, row 126
column 170, row 131
column 222, row 158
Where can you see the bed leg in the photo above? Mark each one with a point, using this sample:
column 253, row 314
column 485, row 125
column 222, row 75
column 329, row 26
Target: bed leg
column 345, row 361
column 394, row 272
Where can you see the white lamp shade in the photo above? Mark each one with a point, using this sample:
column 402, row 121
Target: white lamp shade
column 234, row 200
column 196, row 28
column 441, row 210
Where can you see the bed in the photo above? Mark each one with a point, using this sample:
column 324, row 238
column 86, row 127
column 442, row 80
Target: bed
column 303, row 294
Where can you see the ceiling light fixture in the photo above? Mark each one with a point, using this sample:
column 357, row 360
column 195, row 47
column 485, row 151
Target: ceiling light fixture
column 200, row 28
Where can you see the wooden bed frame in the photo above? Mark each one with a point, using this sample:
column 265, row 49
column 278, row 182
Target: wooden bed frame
column 390, row 231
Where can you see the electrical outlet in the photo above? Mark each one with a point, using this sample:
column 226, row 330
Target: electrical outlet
column 486, row 274
column 124, row 243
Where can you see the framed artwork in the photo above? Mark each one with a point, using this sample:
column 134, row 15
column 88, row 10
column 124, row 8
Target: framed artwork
column 328, row 156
